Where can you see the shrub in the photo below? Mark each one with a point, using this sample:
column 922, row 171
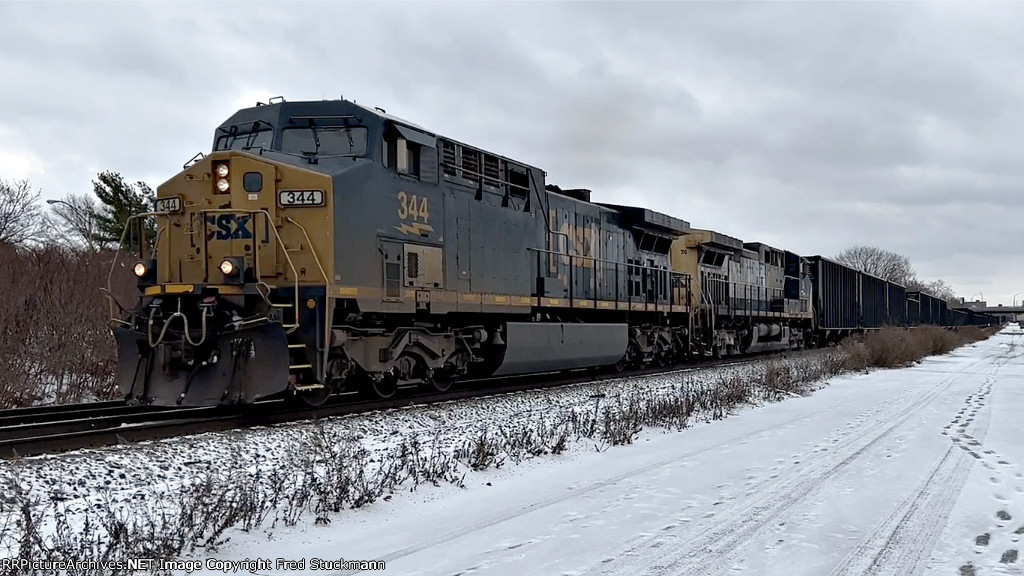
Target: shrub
column 55, row 345
column 895, row 347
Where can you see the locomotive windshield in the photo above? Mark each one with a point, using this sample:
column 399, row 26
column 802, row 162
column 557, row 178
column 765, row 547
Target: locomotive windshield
column 315, row 141
column 245, row 141
column 325, row 140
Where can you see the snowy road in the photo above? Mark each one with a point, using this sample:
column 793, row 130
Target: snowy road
column 914, row 471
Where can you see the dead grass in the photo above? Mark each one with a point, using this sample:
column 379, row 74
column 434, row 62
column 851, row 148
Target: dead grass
column 897, row 347
column 322, row 473
column 54, row 342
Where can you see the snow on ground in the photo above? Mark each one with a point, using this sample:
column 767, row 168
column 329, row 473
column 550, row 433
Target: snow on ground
column 912, row 471
column 142, row 482
column 149, row 468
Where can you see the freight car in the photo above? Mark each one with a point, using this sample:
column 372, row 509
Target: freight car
column 325, row 246
column 926, row 309
column 973, row 318
column 848, row 300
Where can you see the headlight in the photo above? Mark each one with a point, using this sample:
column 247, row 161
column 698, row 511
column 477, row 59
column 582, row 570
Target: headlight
column 223, row 185
column 228, row 268
column 140, row 270
column 222, row 170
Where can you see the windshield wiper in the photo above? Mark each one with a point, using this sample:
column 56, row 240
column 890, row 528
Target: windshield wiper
column 306, row 155
column 251, row 137
column 311, row 157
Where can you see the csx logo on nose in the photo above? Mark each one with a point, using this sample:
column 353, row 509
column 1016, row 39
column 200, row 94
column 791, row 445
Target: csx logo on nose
column 229, row 227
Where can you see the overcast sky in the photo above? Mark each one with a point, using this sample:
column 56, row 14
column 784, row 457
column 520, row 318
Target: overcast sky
column 809, row 126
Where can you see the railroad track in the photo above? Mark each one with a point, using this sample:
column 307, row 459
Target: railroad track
column 45, row 430
column 38, row 415
column 53, row 410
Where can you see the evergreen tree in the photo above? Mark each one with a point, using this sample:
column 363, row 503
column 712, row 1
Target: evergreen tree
column 121, row 200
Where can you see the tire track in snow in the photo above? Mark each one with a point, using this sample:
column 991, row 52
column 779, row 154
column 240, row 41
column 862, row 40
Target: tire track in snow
column 577, row 493
column 903, row 542
column 706, row 546
column 585, row 490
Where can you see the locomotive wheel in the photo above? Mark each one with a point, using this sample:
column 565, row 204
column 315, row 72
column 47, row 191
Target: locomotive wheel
column 386, row 387
column 660, row 358
column 627, row 360
column 442, row 379
column 315, row 397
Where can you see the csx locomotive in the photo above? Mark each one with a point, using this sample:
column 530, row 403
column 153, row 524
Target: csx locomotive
column 325, row 246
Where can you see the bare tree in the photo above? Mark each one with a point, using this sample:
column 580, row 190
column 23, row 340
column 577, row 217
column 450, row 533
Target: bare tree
column 73, row 221
column 917, row 285
column 944, row 291
column 937, row 288
column 878, row 262
column 20, row 214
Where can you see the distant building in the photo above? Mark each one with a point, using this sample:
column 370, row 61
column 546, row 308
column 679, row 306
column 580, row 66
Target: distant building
column 977, row 305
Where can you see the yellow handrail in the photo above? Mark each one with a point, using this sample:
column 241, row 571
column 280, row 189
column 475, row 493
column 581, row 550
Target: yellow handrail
column 280, row 242
column 327, row 298
column 269, row 221
column 120, row 243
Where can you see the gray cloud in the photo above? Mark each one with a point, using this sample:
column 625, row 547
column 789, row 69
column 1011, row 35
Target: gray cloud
column 812, row 126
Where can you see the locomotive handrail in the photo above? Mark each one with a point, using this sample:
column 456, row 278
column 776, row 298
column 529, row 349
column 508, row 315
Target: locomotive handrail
column 711, row 312
column 668, row 273
column 269, row 224
column 156, row 241
column 256, row 259
column 327, row 298
column 603, row 261
column 120, row 243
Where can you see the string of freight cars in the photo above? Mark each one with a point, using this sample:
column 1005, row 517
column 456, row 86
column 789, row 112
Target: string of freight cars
column 324, row 247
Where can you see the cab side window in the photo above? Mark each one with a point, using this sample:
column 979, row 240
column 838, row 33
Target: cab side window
column 402, row 155
column 410, row 153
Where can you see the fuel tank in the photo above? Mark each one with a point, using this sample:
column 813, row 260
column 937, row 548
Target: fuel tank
column 549, row 346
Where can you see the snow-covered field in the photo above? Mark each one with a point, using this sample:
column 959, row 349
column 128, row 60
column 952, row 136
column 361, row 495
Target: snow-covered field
column 175, row 497
column 893, row 472
column 912, row 471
